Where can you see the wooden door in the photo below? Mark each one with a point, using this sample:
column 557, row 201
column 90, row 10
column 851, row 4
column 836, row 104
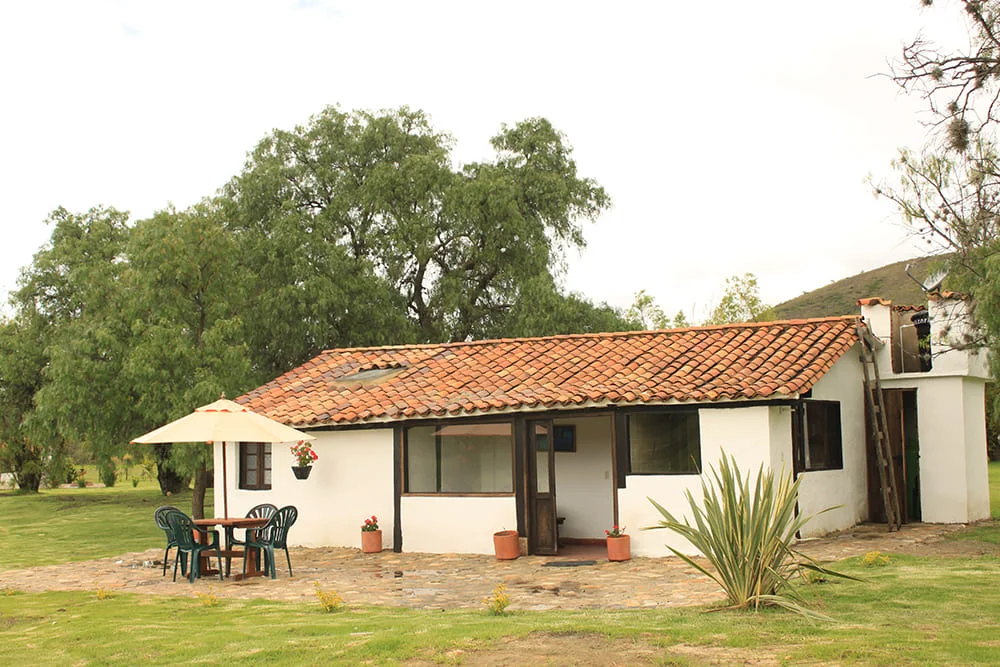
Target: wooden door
column 542, row 538
column 896, row 418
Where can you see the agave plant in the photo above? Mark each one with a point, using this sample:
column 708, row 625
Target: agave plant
column 747, row 535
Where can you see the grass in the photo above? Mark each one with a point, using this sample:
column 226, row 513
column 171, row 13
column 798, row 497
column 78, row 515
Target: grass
column 914, row 610
column 841, row 297
column 66, row 525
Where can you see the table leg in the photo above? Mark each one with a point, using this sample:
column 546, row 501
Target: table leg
column 253, row 561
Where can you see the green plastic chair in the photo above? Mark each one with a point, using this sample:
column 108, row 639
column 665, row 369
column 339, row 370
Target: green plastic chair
column 262, row 511
column 182, row 528
column 273, row 535
column 160, row 517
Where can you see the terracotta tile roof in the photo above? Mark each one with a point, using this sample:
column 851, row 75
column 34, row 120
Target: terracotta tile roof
column 700, row 364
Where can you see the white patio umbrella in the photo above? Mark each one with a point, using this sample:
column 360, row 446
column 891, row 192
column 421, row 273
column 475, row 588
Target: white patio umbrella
column 223, row 421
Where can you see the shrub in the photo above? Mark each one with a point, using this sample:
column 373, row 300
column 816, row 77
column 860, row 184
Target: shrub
column 747, row 534
column 498, row 601
column 329, row 600
column 875, row 559
column 208, row 599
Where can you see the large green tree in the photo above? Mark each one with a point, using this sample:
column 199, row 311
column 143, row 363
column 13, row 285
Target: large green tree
column 948, row 191
column 375, row 198
column 187, row 292
column 25, row 451
column 741, row 302
column 73, row 287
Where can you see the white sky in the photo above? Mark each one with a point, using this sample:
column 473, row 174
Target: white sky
column 733, row 136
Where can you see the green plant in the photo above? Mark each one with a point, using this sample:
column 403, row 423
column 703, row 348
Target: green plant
column 615, row 531
column 304, row 453
column 498, row 601
column 746, row 533
column 81, row 478
column 370, row 525
column 104, row 593
column 208, row 599
column 329, row 600
column 10, row 590
column 875, row 559
column 135, row 482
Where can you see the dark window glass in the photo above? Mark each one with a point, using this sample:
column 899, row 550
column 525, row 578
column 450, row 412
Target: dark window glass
column 818, row 436
column 460, row 458
column 255, row 465
column 665, row 443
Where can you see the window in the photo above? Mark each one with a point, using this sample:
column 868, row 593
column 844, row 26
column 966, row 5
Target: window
column 816, row 436
column 664, row 443
column 460, row 458
column 255, row 465
column 564, row 438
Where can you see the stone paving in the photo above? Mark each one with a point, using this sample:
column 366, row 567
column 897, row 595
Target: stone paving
column 448, row 581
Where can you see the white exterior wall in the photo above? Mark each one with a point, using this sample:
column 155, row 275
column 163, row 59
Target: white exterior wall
column 351, row 480
column 756, row 436
column 951, row 417
column 743, row 433
column 976, row 460
column 429, row 522
column 951, row 426
column 585, row 485
column 847, row 487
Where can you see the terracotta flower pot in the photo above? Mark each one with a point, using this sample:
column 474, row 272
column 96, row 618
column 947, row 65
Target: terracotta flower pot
column 507, row 544
column 620, row 548
column 371, row 541
column 301, row 472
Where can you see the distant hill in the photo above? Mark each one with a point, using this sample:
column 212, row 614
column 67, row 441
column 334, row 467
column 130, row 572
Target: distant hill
column 841, row 297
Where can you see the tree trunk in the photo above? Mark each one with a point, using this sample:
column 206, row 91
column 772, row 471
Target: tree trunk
column 29, row 481
column 198, row 497
column 170, row 481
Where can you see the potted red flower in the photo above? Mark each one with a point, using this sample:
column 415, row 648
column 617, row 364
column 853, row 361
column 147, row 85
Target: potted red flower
column 371, row 536
column 619, row 544
column 305, row 456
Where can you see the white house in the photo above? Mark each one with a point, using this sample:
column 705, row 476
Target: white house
column 562, row 437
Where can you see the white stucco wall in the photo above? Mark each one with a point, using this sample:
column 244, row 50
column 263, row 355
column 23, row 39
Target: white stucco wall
column 351, row 480
column 743, row 433
column 976, row 460
column 429, row 522
column 951, row 425
column 584, row 479
column 848, row 487
column 755, row 436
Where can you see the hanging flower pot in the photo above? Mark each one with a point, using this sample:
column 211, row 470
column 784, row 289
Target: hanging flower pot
column 506, row 544
column 304, row 456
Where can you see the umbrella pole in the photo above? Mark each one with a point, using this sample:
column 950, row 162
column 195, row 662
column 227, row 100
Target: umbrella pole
column 225, row 483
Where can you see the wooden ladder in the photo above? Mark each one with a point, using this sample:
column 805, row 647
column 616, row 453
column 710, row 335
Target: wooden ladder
column 880, row 429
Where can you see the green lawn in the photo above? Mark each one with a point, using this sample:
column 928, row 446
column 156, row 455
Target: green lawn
column 995, row 489
column 63, row 525
column 912, row 611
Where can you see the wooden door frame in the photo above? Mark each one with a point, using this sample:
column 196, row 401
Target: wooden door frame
column 531, row 494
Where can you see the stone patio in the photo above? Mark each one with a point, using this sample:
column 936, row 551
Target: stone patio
column 449, row 581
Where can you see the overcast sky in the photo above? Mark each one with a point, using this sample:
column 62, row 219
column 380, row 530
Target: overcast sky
column 733, row 136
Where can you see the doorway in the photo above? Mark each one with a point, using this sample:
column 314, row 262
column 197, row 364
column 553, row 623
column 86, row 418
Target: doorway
column 542, row 533
column 904, row 447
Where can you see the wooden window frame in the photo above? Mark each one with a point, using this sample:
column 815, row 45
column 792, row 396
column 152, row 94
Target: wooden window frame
column 405, row 436
column 263, row 451
column 832, row 439
column 630, row 414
